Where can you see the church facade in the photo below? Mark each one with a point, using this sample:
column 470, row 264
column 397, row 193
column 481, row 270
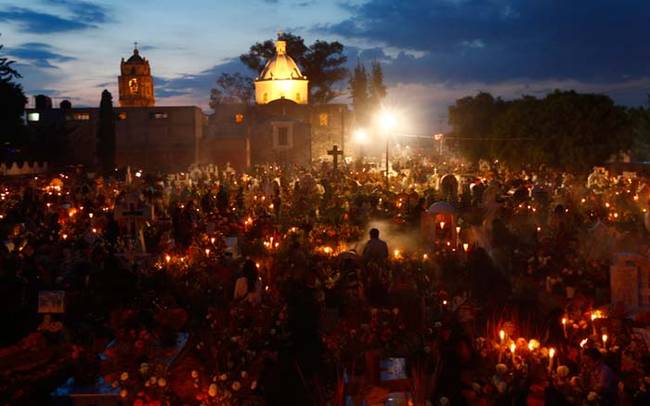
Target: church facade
column 281, row 127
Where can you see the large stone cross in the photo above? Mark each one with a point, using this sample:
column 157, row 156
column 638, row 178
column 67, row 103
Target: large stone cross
column 335, row 152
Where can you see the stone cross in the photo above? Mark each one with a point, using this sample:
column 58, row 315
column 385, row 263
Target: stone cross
column 335, row 152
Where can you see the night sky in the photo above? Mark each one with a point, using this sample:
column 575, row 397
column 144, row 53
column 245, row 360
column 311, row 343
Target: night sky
column 433, row 51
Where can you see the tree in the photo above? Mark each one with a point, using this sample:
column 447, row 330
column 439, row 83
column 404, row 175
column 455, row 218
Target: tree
column 6, row 71
column 358, row 86
column 472, row 119
column 106, row 133
column 377, row 89
column 565, row 130
column 232, row 88
column 12, row 104
column 640, row 118
column 322, row 63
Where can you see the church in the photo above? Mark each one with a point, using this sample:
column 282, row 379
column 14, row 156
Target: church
column 281, row 127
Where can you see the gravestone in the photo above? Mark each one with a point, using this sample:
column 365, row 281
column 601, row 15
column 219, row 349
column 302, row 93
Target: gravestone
column 132, row 214
column 630, row 281
column 335, row 153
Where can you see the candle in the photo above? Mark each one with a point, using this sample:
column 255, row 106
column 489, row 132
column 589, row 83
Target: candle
column 584, row 342
column 167, row 258
column 604, row 337
column 594, row 315
column 513, row 347
column 457, row 230
column 207, row 251
column 564, row 321
column 551, row 354
column 502, row 336
column 442, row 225
column 465, row 246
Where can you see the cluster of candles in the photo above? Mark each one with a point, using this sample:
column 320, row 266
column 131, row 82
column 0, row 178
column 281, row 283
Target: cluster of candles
column 531, row 345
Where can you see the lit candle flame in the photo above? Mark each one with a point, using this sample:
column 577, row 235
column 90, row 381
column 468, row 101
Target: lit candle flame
column 584, row 342
column 465, row 246
column 442, row 225
column 551, row 352
column 502, row 335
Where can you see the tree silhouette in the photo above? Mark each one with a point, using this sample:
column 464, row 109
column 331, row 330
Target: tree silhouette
column 106, row 133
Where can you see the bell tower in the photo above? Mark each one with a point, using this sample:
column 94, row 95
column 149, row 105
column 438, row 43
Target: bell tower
column 135, row 81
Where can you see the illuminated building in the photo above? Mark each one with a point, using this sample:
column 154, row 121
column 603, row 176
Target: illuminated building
column 281, row 79
column 135, row 82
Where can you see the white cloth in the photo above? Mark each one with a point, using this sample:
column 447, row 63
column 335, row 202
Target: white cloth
column 241, row 290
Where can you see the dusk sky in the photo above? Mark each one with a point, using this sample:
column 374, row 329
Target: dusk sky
column 433, row 51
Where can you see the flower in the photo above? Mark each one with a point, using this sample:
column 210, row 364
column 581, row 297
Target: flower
column 162, row 382
column 501, row 369
column 592, row 396
column 212, row 390
column 236, row 386
column 124, row 393
column 244, row 374
column 223, row 377
column 562, row 371
column 124, row 376
column 195, row 373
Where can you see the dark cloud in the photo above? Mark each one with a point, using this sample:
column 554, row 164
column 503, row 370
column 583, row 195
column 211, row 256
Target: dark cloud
column 38, row 54
column 77, row 15
column 494, row 40
column 85, row 10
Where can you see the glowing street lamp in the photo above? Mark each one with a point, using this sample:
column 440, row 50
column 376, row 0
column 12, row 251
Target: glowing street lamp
column 360, row 137
column 387, row 123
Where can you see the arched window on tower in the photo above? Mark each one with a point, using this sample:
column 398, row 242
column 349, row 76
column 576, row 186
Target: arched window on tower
column 323, row 119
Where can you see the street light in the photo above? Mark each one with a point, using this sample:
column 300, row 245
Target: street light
column 387, row 123
column 360, row 137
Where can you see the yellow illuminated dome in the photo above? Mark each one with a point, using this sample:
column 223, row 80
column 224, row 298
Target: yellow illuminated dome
column 281, row 79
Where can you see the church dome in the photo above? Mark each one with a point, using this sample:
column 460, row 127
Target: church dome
column 281, row 79
column 281, row 66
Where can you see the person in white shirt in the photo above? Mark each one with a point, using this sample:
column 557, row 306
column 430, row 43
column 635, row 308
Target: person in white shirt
column 248, row 287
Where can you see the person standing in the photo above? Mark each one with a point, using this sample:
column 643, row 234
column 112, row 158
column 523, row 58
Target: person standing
column 376, row 250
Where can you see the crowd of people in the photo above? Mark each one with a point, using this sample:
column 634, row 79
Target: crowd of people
column 287, row 285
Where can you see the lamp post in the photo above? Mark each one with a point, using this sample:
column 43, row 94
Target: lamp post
column 387, row 122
